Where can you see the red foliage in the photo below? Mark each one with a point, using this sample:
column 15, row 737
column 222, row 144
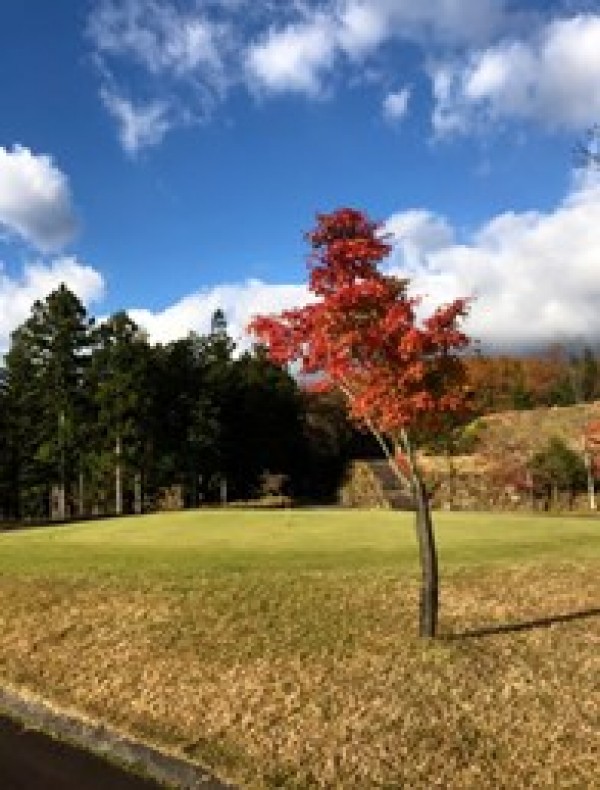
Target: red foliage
column 362, row 335
column 591, row 435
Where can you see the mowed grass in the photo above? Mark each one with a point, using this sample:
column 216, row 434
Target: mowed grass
column 230, row 540
column 279, row 648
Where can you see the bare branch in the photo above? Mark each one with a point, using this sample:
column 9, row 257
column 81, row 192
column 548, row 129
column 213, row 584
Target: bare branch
column 587, row 151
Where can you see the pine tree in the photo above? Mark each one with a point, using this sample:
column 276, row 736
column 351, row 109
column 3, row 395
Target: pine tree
column 46, row 364
column 117, row 383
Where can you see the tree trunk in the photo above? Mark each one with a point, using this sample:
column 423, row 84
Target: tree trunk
column 429, row 600
column 590, row 480
column 62, row 503
column 118, row 478
column 429, row 596
column 137, row 507
column 80, row 500
column 555, row 502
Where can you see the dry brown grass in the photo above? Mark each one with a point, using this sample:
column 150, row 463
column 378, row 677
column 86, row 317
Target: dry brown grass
column 314, row 679
column 523, row 433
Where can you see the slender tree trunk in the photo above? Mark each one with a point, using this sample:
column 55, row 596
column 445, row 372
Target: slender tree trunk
column 451, row 478
column 81, row 503
column 590, row 480
column 62, row 503
column 138, row 493
column 62, row 507
column 118, row 479
column 429, row 595
column 429, row 600
column 530, row 488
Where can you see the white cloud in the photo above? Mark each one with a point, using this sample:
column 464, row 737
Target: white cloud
column 240, row 302
column 17, row 294
column 293, row 58
column 489, row 60
column 181, row 53
column 535, row 276
column 551, row 79
column 159, row 36
column 395, row 105
column 297, row 56
column 415, row 234
column 139, row 126
column 362, row 28
column 451, row 22
column 35, row 200
column 191, row 53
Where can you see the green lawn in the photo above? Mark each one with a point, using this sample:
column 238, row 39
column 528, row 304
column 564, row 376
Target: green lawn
column 279, row 648
column 192, row 541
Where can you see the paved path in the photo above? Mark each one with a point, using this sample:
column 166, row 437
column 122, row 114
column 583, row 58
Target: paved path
column 30, row 760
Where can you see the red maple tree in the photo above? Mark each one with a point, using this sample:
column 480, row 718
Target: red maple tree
column 402, row 377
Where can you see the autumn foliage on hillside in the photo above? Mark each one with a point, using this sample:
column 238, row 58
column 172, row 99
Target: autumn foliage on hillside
column 555, row 376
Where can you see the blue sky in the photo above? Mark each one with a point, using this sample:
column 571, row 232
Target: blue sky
column 166, row 157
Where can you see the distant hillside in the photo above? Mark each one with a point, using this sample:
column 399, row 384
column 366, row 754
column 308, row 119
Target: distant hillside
column 491, row 475
column 522, row 433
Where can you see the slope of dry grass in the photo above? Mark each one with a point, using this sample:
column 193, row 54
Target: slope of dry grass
column 523, row 433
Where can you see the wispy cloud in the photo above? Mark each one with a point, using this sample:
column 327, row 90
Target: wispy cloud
column 487, row 59
column 395, row 105
column 300, row 55
column 180, row 55
column 163, row 38
column 139, row 126
column 190, row 54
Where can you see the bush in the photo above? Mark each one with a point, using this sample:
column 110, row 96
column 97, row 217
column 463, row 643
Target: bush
column 558, row 467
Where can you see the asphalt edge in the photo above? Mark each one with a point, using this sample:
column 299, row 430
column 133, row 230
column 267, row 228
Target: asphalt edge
column 104, row 741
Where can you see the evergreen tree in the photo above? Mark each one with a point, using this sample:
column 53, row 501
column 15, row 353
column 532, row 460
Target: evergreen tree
column 89, row 416
column 262, row 424
column 49, row 354
column 117, row 383
column 6, row 466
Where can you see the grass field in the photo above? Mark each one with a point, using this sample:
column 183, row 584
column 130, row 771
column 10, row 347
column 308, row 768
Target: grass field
column 279, row 648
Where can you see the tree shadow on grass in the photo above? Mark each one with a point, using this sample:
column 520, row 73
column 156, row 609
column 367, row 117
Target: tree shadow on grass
column 526, row 625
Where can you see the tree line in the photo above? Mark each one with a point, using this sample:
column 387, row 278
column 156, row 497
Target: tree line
column 94, row 419
column 557, row 376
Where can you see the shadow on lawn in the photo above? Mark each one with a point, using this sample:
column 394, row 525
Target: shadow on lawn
column 526, row 625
